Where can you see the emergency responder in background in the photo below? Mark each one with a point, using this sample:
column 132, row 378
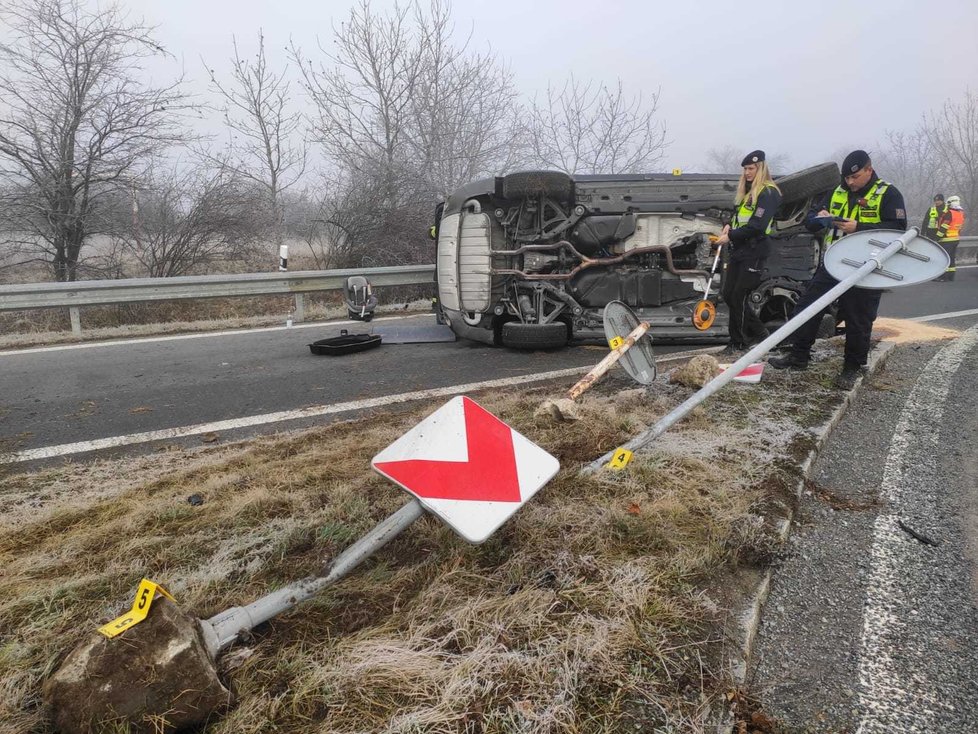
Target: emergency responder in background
column 928, row 228
column 748, row 246
column 949, row 232
column 863, row 201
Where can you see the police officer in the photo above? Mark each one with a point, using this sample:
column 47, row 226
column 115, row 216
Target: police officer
column 928, row 228
column 949, row 226
column 863, row 201
column 748, row 244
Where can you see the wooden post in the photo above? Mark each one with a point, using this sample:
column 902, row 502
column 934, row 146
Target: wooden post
column 605, row 364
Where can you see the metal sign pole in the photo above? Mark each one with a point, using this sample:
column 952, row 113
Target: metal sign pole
column 221, row 630
column 759, row 350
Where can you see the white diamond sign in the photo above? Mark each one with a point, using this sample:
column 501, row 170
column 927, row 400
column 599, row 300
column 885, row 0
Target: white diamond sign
column 467, row 467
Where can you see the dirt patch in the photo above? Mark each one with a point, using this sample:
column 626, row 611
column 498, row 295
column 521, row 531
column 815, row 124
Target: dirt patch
column 903, row 331
column 587, row 612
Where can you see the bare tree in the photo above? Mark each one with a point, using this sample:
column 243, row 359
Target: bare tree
column 952, row 134
column 75, row 121
column 265, row 144
column 727, row 158
column 363, row 96
column 910, row 162
column 589, row 128
column 188, row 218
column 464, row 117
column 406, row 115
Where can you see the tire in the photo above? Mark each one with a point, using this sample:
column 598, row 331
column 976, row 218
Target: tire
column 552, row 184
column 808, row 182
column 517, row 335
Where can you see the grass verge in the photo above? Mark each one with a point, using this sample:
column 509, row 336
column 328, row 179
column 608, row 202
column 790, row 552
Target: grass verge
column 601, row 607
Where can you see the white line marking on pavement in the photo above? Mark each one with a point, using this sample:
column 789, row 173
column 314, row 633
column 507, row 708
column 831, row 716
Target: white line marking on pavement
column 49, row 452
column 948, row 315
column 892, row 697
column 196, row 335
column 66, row 449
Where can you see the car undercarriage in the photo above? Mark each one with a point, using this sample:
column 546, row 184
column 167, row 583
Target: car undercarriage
column 529, row 260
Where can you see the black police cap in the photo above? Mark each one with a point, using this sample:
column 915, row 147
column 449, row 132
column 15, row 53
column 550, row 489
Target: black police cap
column 938, row 196
column 755, row 156
column 855, row 161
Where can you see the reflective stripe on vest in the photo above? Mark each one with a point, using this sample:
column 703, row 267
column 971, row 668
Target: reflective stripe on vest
column 746, row 211
column 868, row 213
column 953, row 230
column 932, row 218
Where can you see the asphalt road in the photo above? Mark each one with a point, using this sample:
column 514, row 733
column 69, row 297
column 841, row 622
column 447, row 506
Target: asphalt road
column 870, row 623
column 238, row 384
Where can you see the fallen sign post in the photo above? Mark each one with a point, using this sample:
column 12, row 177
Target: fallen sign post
column 624, row 333
column 461, row 463
column 919, row 260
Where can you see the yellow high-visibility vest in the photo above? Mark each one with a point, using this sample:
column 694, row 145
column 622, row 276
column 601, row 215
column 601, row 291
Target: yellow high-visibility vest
column 864, row 213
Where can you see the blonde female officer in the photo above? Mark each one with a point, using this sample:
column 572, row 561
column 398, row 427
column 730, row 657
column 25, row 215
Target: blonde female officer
column 749, row 245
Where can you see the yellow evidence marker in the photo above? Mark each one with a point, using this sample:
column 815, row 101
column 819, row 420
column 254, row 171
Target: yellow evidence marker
column 620, row 459
column 615, row 342
column 140, row 609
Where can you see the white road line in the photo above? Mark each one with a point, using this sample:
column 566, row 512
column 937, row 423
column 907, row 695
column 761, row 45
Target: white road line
column 48, row 452
column 196, row 335
column 949, row 315
column 66, row 449
column 894, row 698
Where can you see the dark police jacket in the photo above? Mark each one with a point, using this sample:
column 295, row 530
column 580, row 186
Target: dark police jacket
column 750, row 242
column 893, row 212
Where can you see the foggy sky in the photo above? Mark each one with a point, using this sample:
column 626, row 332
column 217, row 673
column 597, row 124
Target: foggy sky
column 803, row 79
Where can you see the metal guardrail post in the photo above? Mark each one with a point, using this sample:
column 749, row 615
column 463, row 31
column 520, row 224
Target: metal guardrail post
column 300, row 308
column 75, row 317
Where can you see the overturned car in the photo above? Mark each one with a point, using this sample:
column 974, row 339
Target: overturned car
column 530, row 259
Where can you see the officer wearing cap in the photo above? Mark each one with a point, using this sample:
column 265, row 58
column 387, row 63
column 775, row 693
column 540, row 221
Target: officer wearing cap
column 863, row 201
column 748, row 244
column 928, row 228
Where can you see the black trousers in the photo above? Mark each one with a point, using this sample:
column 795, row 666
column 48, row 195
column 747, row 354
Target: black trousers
column 739, row 279
column 858, row 306
column 951, row 247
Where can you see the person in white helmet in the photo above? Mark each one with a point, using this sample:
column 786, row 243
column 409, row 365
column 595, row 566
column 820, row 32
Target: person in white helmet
column 949, row 227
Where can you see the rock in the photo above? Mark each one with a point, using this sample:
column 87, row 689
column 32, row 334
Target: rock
column 157, row 676
column 562, row 409
column 696, row 372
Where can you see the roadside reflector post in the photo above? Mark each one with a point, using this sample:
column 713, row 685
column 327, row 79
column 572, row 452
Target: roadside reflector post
column 864, row 251
column 283, row 258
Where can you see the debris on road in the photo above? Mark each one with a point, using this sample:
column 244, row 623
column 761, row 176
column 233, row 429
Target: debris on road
column 916, row 535
column 697, row 372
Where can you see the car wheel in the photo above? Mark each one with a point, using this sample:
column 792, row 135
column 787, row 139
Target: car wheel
column 517, row 335
column 553, row 184
column 808, row 182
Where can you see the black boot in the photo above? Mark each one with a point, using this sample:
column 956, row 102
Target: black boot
column 790, row 361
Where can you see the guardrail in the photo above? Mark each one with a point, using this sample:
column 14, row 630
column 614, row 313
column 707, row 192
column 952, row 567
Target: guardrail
column 19, row 297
